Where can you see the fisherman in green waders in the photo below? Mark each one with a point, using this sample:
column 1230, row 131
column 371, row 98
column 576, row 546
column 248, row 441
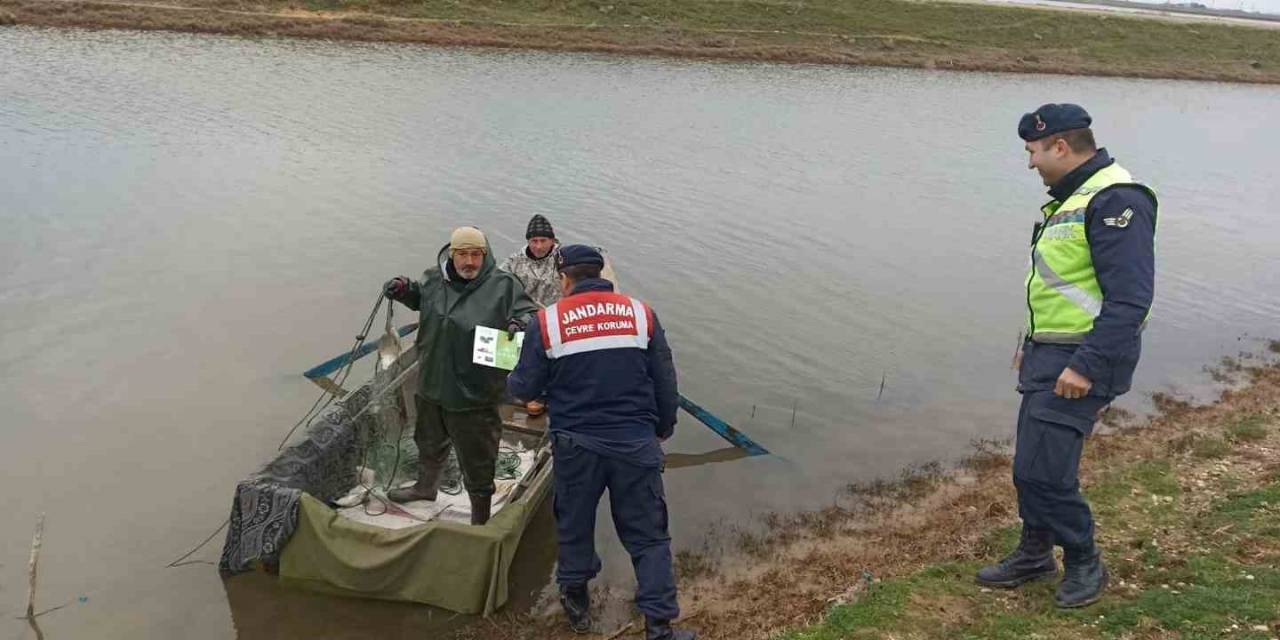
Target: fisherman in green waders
column 1089, row 291
column 457, row 400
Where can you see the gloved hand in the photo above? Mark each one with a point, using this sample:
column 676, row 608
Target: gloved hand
column 514, row 327
column 394, row 288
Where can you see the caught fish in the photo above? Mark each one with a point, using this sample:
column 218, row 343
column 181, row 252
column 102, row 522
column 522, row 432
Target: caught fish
column 389, row 347
column 389, row 350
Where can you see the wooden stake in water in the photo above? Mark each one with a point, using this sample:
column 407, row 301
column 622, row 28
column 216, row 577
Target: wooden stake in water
column 32, row 567
column 31, row 574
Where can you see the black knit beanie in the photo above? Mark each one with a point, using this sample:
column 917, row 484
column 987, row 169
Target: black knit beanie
column 539, row 227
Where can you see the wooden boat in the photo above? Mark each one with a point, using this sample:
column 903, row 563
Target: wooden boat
column 290, row 518
column 308, row 515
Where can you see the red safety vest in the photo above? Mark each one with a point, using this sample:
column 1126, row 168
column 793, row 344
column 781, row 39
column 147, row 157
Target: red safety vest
column 594, row 321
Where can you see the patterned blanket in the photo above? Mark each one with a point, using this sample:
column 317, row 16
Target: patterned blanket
column 324, row 464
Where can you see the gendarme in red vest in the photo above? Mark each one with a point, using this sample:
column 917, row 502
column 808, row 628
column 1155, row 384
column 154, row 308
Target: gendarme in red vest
column 595, row 321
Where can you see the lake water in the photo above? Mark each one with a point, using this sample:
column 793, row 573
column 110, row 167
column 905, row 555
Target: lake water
column 189, row 222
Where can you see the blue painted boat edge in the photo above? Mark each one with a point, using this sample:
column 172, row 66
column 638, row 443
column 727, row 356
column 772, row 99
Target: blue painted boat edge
column 337, row 362
column 733, row 436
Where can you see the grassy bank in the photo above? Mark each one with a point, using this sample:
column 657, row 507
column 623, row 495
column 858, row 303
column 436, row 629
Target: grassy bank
column 945, row 35
column 1188, row 510
column 1192, row 541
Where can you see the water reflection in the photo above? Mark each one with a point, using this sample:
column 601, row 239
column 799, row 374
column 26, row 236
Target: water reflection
column 191, row 221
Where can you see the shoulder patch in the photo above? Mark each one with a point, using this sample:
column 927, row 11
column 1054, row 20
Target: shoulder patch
column 1121, row 221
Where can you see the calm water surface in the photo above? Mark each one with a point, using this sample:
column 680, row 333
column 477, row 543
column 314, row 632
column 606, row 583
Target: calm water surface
column 190, row 222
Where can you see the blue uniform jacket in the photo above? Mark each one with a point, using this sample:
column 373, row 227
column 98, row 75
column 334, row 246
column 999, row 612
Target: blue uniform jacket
column 617, row 402
column 1124, row 260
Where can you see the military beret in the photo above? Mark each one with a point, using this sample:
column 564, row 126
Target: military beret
column 1052, row 118
column 576, row 254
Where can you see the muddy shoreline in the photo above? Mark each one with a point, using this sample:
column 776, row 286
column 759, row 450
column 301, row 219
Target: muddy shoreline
column 758, row 584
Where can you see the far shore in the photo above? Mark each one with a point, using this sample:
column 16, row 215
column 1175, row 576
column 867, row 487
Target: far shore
column 961, row 36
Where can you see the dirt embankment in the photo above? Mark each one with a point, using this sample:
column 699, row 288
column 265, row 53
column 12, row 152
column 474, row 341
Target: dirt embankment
column 914, row 542
column 900, row 33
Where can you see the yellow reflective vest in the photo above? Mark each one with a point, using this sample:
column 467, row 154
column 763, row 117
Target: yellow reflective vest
column 1063, row 295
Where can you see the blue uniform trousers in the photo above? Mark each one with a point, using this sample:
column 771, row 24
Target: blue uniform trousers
column 1046, row 463
column 639, row 515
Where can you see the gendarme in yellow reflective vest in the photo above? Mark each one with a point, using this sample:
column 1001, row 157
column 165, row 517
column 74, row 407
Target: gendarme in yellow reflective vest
column 1063, row 296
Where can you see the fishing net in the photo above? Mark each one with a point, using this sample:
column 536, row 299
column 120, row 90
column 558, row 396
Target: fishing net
column 356, row 444
column 390, row 454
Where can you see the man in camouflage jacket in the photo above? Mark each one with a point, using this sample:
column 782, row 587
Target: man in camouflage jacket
column 535, row 264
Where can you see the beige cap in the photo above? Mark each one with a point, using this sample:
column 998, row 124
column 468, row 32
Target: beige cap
column 467, row 238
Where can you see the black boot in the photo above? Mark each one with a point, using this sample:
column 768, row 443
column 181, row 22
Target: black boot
column 577, row 607
column 658, row 629
column 1032, row 559
column 1084, row 581
column 424, row 489
column 480, row 509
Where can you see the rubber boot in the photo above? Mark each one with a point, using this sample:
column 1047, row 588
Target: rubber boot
column 576, row 601
column 424, row 489
column 658, row 629
column 1031, row 560
column 480, row 509
column 1084, row 580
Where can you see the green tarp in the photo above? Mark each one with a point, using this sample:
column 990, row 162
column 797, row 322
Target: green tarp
column 444, row 564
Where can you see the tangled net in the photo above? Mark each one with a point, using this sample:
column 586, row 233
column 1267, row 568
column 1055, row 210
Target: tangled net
column 392, row 455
